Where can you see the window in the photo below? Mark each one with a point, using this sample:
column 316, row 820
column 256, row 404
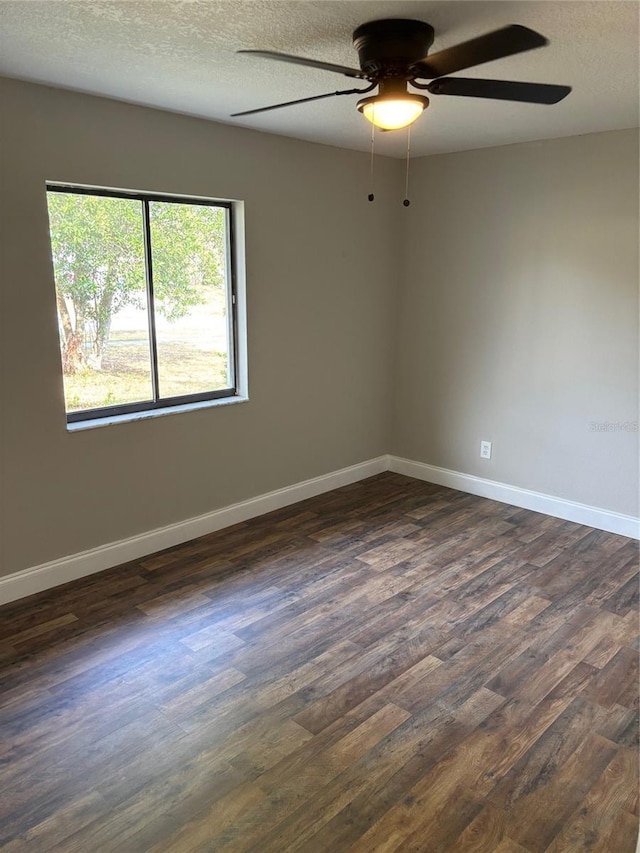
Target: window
column 146, row 300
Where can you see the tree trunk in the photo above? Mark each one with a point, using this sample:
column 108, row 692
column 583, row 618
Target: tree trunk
column 103, row 324
column 72, row 351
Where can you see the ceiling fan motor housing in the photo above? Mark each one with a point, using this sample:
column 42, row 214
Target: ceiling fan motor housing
column 391, row 47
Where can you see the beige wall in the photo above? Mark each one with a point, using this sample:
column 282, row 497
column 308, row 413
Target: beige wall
column 321, row 279
column 514, row 271
column 519, row 316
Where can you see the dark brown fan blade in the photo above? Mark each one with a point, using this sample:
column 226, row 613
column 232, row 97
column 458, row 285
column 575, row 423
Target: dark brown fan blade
column 501, row 90
column 494, row 45
column 304, row 100
column 311, row 63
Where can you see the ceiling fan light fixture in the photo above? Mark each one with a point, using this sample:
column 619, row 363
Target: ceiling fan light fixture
column 393, row 113
column 394, row 53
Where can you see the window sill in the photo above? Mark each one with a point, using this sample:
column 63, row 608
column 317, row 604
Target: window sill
column 95, row 423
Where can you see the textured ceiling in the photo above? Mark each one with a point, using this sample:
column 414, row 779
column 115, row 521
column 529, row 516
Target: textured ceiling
column 181, row 56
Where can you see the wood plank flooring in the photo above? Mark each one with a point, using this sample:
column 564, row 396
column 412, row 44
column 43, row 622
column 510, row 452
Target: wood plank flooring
column 392, row 666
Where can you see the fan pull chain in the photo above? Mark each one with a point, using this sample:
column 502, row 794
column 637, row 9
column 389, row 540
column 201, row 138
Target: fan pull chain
column 371, row 196
column 406, row 201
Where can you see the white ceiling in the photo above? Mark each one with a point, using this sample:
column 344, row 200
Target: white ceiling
column 181, row 56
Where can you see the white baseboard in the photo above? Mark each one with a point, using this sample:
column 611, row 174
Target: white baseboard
column 602, row 519
column 39, row 578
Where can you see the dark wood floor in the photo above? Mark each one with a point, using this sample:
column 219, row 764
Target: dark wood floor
column 393, row 666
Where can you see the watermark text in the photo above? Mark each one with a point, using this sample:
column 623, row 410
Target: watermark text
column 613, row 426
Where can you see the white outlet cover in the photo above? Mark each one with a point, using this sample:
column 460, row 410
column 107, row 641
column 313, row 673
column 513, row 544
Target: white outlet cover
column 485, row 449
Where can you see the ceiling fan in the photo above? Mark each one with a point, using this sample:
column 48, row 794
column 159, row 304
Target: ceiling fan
column 393, row 54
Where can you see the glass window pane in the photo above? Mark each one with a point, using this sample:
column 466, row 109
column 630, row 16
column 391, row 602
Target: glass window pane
column 188, row 247
column 98, row 257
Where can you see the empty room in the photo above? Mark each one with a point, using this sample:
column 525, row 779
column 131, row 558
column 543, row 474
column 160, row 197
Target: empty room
column 319, row 365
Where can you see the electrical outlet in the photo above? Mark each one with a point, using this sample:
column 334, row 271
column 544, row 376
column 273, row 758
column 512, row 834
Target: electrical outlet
column 485, row 450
